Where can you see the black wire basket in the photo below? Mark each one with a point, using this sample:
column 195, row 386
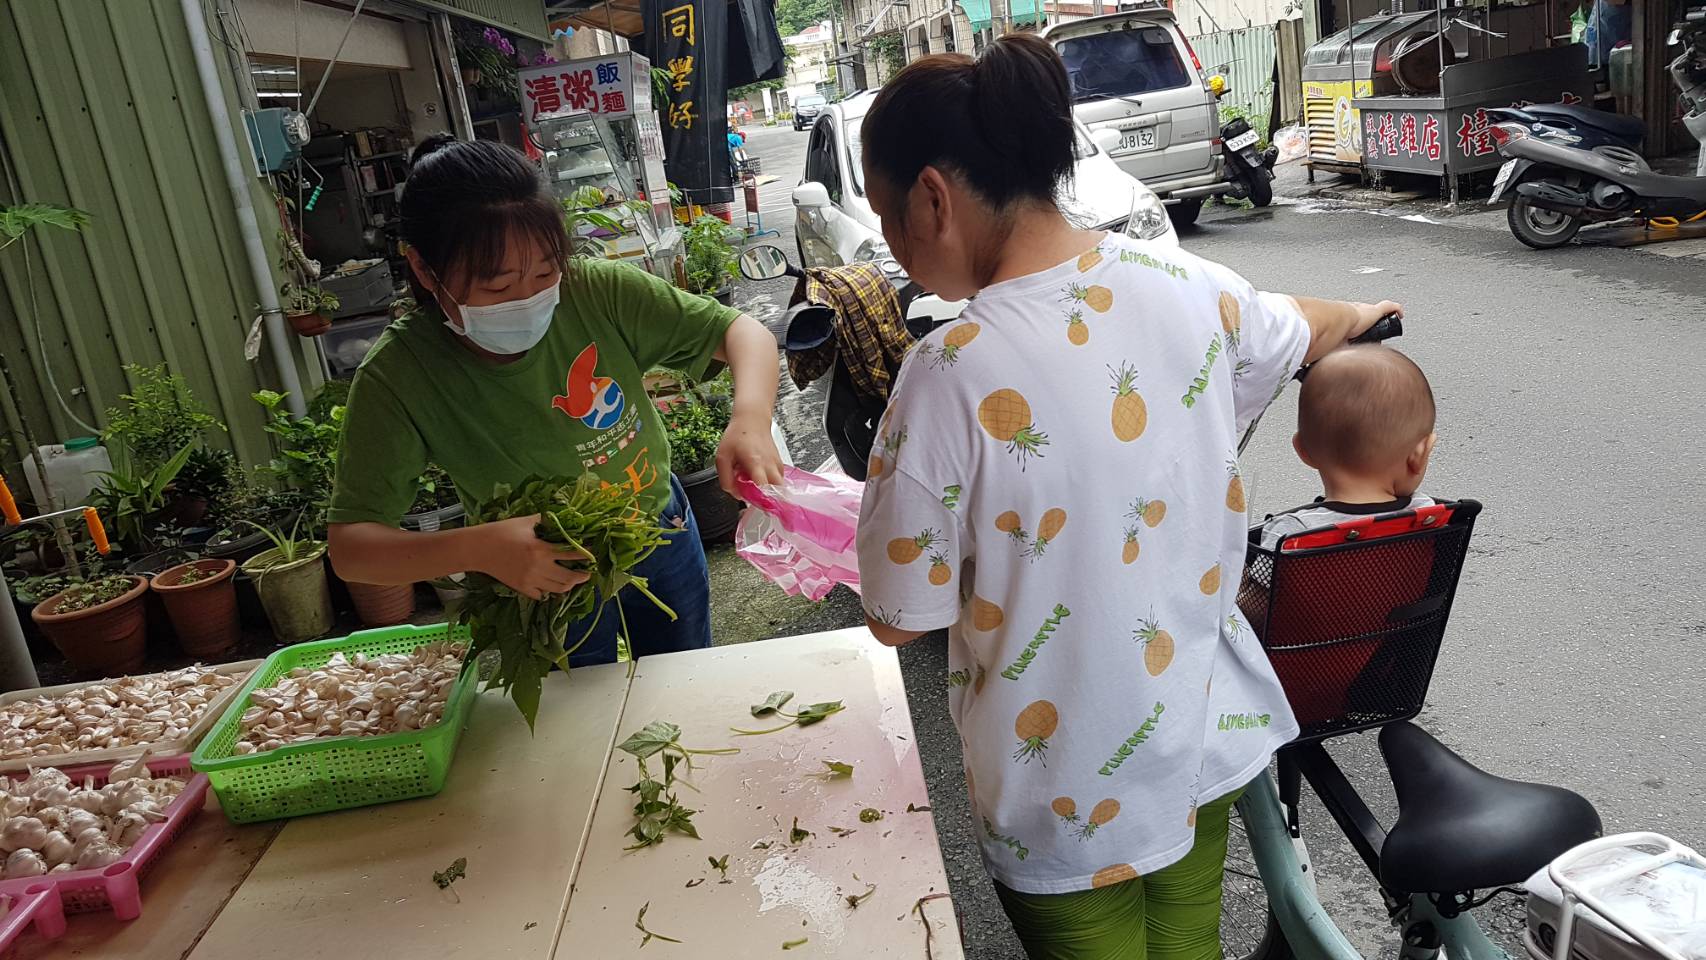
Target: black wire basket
column 1352, row 617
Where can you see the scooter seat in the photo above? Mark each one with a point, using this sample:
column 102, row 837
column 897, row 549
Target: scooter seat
column 1617, row 125
column 1460, row 828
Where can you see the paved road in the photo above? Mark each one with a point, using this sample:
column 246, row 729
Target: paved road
column 1569, row 392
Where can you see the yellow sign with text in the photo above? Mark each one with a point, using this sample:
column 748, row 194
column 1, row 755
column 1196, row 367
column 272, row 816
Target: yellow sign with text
column 1335, row 96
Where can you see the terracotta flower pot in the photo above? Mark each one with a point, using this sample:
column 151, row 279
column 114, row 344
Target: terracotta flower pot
column 379, row 606
column 296, row 596
column 203, row 612
column 106, row 640
column 309, row 324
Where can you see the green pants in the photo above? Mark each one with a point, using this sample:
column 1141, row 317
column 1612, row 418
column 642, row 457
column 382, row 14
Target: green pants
column 1171, row 914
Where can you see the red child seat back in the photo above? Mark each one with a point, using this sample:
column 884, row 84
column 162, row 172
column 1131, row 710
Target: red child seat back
column 1352, row 615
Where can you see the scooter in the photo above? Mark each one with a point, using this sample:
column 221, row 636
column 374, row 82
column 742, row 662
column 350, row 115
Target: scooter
column 1250, row 171
column 850, row 415
column 1568, row 170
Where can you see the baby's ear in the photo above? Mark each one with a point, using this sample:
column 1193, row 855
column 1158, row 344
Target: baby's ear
column 1424, row 450
column 1297, row 446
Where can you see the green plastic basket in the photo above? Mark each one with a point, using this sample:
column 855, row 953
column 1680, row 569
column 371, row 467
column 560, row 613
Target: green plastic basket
column 338, row 772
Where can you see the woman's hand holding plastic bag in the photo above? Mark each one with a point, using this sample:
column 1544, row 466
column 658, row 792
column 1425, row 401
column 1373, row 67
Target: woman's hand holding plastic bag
column 802, row 533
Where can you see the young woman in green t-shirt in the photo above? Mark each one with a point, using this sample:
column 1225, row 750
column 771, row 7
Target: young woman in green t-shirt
column 520, row 362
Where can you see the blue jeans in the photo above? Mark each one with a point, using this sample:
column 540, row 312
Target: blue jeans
column 677, row 574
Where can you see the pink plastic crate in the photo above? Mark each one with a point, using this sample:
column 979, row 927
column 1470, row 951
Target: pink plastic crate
column 118, row 884
column 39, row 905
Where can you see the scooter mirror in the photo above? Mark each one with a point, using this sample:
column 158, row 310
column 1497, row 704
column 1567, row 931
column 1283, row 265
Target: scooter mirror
column 1108, row 140
column 764, row 262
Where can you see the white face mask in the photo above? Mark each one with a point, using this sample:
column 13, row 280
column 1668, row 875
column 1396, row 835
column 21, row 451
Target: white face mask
column 514, row 326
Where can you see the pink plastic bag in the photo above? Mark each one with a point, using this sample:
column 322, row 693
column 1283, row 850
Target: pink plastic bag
column 802, row 533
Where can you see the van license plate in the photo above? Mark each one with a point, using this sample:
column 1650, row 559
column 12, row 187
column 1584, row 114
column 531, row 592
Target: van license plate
column 1502, row 181
column 1245, row 139
column 1143, row 138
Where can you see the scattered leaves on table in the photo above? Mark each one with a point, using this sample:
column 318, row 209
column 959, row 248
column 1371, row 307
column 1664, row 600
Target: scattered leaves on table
column 661, row 736
column 841, row 831
column 449, row 875
column 835, row 770
column 695, row 882
column 657, row 811
column 640, row 925
column 761, row 845
column 910, row 808
column 799, row 834
column 854, row 901
column 870, row 815
column 791, row 944
column 808, row 715
column 721, row 865
column 772, row 703
column 530, row 925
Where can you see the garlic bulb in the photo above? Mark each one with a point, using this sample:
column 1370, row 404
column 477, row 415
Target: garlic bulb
column 135, row 768
column 25, row 863
column 20, row 832
column 77, row 821
column 97, row 854
column 57, row 848
column 88, row 837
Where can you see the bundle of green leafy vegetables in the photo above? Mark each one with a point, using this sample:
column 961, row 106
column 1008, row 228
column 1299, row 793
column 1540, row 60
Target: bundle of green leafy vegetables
column 608, row 534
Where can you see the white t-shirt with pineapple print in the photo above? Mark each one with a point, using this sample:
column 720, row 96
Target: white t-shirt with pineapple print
column 1056, row 481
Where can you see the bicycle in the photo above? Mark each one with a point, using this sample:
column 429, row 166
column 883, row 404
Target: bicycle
column 1352, row 617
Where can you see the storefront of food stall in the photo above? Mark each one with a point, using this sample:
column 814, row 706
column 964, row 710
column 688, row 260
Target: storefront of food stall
column 1404, row 90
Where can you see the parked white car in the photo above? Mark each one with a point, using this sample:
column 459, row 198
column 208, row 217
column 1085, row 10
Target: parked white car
column 834, row 223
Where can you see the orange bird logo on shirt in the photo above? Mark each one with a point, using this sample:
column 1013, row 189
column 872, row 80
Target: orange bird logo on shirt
column 593, row 400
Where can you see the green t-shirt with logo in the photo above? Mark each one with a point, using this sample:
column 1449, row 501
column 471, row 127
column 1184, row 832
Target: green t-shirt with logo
column 575, row 403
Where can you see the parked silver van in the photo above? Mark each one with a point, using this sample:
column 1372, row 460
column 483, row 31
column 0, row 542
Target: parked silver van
column 1138, row 87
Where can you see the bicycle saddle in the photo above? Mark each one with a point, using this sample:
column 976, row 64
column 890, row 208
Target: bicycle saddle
column 1460, row 828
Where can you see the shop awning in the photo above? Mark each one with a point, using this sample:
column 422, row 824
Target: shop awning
column 524, row 17
column 982, row 13
column 977, row 11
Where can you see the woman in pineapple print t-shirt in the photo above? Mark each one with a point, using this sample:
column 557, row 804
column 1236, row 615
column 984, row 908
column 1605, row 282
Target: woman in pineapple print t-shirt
column 1056, row 483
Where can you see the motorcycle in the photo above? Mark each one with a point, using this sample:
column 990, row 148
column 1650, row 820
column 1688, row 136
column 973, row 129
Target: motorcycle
column 1250, row 171
column 850, row 415
column 1566, row 167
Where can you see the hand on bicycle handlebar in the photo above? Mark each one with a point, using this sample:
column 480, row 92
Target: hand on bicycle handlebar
column 1368, row 314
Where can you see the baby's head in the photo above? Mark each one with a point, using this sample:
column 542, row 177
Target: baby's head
column 1366, row 416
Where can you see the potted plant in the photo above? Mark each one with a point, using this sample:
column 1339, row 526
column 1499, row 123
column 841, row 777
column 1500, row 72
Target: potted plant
column 436, row 505
column 710, row 262
column 201, row 601
column 101, row 626
column 382, row 605
column 695, row 421
column 291, row 579
column 309, row 308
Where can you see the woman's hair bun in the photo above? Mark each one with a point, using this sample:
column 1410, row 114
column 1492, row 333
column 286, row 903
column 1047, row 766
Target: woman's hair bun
column 430, row 146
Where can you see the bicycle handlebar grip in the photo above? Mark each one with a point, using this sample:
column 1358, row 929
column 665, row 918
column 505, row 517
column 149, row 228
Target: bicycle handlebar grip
column 97, row 532
column 9, row 506
column 1385, row 328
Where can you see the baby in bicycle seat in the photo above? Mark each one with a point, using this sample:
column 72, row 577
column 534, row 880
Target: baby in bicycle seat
column 1365, row 422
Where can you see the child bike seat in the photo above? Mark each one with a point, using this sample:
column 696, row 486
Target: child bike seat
column 1460, row 828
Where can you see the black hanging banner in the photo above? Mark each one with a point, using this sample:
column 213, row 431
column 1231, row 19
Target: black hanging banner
column 689, row 39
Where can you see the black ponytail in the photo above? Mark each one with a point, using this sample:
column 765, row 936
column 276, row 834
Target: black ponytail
column 1003, row 122
column 466, row 200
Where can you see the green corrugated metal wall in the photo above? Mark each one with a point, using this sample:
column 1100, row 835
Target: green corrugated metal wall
column 101, row 108
column 526, row 17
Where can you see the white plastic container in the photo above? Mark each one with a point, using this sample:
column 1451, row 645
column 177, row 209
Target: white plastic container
column 73, row 469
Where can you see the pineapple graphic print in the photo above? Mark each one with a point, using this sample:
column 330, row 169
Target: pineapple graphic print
column 1006, row 416
column 1077, row 532
column 958, row 338
column 1130, row 414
